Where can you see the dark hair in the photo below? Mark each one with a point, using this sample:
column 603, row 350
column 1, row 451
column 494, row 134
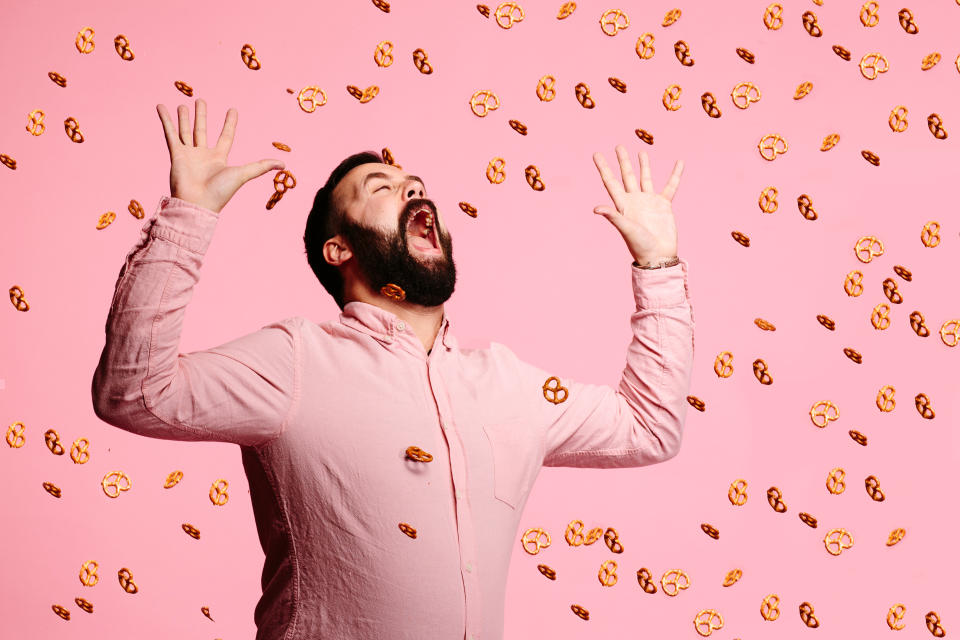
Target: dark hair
column 325, row 221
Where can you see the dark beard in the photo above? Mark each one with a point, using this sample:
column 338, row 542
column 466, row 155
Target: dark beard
column 384, row 258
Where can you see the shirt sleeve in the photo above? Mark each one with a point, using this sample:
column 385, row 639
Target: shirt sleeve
column 241, row 391
column 641, row 421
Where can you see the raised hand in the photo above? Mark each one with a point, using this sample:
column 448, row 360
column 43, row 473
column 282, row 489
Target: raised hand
column 199, row 174
column 643, row 217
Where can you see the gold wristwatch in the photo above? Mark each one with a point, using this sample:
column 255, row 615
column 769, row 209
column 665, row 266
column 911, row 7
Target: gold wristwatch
column 660, row 265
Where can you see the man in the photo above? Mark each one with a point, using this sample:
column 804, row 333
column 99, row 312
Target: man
column 387, row 467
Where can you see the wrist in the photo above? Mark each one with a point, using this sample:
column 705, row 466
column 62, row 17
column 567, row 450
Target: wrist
column 656, row 262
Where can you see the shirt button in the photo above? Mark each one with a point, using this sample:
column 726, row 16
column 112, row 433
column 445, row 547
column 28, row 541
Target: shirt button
column 401, row 326
column 469, row 567
column 459, row 494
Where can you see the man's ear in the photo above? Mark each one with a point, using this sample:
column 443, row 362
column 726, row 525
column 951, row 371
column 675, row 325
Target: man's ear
column 336, row 250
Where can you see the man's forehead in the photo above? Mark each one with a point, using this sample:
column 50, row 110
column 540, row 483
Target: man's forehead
column 353, row 180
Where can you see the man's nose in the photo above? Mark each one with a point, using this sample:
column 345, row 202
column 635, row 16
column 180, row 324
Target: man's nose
column 414, row 191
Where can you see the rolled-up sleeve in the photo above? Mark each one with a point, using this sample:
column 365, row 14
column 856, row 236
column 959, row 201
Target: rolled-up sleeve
column 241, row 391
column 641, row 421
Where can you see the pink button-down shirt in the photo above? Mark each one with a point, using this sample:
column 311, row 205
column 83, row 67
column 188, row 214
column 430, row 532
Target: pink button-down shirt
column 323, row 413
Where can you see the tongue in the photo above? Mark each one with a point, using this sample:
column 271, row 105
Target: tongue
column 420, row 242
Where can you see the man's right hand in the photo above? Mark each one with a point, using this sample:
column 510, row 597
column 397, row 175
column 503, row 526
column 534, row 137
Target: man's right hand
column 200, row 174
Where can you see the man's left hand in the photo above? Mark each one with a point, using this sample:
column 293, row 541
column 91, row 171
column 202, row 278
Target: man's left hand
column 644, row 218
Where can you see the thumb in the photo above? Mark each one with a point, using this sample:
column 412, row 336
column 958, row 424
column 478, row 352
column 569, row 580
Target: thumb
column 257, row 169
column 609, row 213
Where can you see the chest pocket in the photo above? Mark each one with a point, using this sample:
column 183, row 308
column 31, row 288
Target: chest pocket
column 516, row 459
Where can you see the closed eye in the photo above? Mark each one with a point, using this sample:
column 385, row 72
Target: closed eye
column 383, row 187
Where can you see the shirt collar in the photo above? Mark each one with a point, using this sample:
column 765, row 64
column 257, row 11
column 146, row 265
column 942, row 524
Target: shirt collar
column 385, row 326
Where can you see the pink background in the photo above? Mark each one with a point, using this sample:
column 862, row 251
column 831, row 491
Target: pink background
column 538, row 271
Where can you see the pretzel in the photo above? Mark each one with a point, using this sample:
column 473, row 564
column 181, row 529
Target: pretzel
column 806, row 614
column 676, row 575
column 383, row 5
column 617, row 84
column 760, row 371
column 723, row 364
column 547, row 571
column 580, row 611
column 53, row 442
column 871, row 157
column 172, row 479
column 365, row 95
column 810, row 24
column 732, row 576
column 36, row 125
column 383, row 53
column 803, row 89
column 876, row 63
column 746, row 55
column 249, row 56
column 808, row 519
column 951, row 328
column 105, row 219
column 806, row 207
column 895, row 616
column 930, row 236
column 608, row 573
column 309, row 95
column 417, row 454
column 709, row 626
column 136, row 209
column 823, row 412
column 873, row 488
column 84, row 604
column 84, row 38
column 737, row 493
column 206, row 611
column 393, row 291
column 505, row 11
column 917, row 324
column 768, row 608
column 184, row 88
column 709, row 104
column 532, row 174
column 78, row 451
column 922, row 402
column 763, row 324
column 935, row 124
column 868, row 14
column 407, row 529
column 644, row 135
column 775, row 499
column 670, row 96
column 548, row 386
column 853, row 354
column 582, row 91
column 611, row 19
column 15, row 437
column 88, row 573
column 191, row 530
column 57, row 78
column 218, row 492
column 770, row 147
column 858, row 437
column 903, row 272
column 743, row 93
column 388, row 157
column 835, row 483
column 592, row 536
column 484, row 10
column 670, row 17
column 545, row 90
column 612, row 540
column 898, row 119
column 873, row 249
column 896, row 536
column 645, row 580
column 566, row 9
column 574, row 534
column 645, row 46
column 933, row 624
column 52, row 489
column 841, row 51
column 835, row 540
column 72, row 127
column 710, row 530
column 886, row 400
column 518, row 126
column 116, row 481
column 526, row 540
column 126, row 580
column 773, row 16
column 697, row 403
column 906, row 21
column 681, row 49
column 468, row 209
column 826, row 321
column 61, row 611
column 420, row 62
column 495, row 170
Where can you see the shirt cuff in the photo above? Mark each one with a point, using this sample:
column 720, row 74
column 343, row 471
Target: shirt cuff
column 664, row 287
column 185, row 223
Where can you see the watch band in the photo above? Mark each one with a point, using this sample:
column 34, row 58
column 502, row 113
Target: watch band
column 663, row 263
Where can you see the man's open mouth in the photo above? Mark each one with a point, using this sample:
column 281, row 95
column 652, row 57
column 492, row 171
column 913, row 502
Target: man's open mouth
column 421, row 230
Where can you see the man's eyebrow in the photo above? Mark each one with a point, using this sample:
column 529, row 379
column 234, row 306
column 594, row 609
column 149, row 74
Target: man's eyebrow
column 381, row 174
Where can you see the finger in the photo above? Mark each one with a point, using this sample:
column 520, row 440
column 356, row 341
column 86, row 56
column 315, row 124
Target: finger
column 674, row 181
column 186, row 134
column 258, row 168
column 646, row 182
column 200, row 124
column 225, row 141
column 626, row 170
column 614, row 188
column 167, row 123
column 611, row 214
